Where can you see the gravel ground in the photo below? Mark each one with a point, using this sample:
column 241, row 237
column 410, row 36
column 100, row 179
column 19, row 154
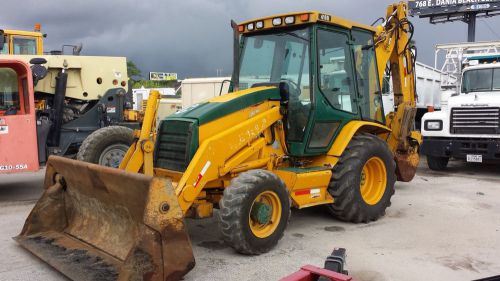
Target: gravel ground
column 441, row 226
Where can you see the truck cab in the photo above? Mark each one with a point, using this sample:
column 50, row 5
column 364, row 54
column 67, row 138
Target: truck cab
column 468, row 125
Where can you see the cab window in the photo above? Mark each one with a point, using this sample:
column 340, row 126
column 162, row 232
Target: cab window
column 281, row 57
column 24, row 46
column 335, row 67
column 366, row 76
column 496, row 79
column 9, row 92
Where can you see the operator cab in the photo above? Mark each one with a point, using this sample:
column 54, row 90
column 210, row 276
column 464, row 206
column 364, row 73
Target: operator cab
column 17, row 42
column 328, row 72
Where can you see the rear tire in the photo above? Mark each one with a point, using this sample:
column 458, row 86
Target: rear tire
column 246, row 224
column 437, row 163
column 362, row 182
column 106, row 146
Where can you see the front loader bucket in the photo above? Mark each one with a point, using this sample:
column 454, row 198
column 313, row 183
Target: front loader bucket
column 99, row 223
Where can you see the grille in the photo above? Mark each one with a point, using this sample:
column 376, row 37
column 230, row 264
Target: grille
column 479, row 120
column 173, row 145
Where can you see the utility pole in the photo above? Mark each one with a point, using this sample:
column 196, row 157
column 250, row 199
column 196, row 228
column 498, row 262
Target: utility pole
column 471, row 23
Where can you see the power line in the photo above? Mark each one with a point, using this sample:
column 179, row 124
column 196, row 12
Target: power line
column 491, row 29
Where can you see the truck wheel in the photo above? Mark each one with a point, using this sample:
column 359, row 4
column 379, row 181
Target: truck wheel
column 254, row 212
column 362, row 182
column 437, row 163
column 106, row 146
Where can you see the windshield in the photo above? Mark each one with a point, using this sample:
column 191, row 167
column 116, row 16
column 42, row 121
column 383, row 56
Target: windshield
column 9, row 92
column 275, row 57
column 24, row 46
column 481, row 80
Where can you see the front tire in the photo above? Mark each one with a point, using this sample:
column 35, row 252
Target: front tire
column 106, row 146
column 254, row 212
column 363, row 180
column 437, row 163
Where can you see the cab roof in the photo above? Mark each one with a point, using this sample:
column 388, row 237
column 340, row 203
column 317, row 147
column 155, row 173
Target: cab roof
column 482, row 66
column 299, row 18
column 22, row 33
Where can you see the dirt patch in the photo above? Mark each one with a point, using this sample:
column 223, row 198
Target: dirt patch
column 298, row 235
column 368, row 275
column 463, row 263
column 213, row 245
column 483, row 206
column 334, row 228
column 396, row 214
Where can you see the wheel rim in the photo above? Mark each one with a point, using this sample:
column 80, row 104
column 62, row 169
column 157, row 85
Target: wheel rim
column 373, row 180
column 113, row 155
column 265, row 214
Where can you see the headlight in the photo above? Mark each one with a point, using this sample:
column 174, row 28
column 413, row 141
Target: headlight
column 433, row 125
column 290, row 20
column 277, row 21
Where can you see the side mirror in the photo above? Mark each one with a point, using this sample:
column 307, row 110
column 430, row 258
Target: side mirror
column 38, row 70
column 2, row 39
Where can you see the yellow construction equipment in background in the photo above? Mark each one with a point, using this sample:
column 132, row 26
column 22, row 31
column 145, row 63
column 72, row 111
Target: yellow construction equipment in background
column 303, row 126
column 20, row 42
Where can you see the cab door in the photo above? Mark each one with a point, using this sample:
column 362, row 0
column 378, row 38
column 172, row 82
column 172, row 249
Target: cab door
column 335, row 93
column 18, row 140
column 367, row 77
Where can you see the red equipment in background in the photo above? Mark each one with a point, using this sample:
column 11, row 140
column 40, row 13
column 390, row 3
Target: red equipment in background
column 18, row 140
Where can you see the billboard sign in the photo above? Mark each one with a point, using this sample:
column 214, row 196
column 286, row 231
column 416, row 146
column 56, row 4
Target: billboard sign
column 429, row 8
column 162, row 76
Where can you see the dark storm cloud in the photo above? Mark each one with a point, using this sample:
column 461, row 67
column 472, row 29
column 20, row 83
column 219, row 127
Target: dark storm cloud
column 192, row 37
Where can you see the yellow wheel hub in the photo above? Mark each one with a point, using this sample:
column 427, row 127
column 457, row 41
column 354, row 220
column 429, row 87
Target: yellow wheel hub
column 265, row 214
column 373, row 180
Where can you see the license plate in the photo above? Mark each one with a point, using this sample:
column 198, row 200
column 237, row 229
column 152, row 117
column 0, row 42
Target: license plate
column 475, row 158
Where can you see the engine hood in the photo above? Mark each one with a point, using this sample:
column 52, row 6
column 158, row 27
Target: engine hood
column 476, row 99
column 224, row 105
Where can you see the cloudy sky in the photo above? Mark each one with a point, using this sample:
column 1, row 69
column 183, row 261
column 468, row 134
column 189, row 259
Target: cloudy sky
column 193, row 37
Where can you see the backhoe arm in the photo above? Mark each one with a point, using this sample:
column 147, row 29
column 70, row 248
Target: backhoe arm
column 139, row 156
column 394, row 51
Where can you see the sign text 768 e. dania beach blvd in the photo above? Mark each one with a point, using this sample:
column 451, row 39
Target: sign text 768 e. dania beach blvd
column 440, row 3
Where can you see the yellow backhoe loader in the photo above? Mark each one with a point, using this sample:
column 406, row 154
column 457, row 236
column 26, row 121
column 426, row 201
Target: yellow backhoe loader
column 302, row 126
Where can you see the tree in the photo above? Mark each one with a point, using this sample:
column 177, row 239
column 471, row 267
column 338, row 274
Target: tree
column 134, row 73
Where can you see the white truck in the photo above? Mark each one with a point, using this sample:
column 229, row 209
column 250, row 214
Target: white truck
column 429, row 82
column 195, row 90
column 467, row 126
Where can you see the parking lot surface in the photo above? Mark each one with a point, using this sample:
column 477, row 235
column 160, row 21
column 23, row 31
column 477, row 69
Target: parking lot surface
column 441, row 226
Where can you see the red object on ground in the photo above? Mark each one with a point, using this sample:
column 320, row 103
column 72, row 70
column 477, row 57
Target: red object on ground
column 312, row 273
